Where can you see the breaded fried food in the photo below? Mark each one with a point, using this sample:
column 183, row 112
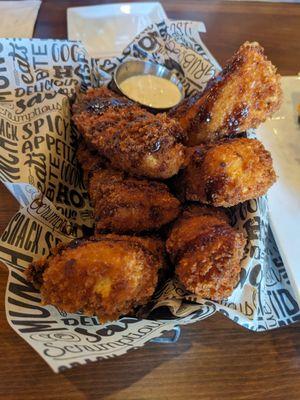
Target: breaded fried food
column 107, row 277
column 207, row 252
column 241, row 96
column 133, row 139
column 34, row 272
column 126, row 204
column 155, row 245
column 89, row 160
column 229, row 172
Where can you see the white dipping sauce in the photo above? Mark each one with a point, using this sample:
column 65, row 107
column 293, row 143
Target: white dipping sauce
column 151, row 90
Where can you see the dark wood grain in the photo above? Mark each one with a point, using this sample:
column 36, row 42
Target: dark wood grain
column 275, row 26
column 214, row 359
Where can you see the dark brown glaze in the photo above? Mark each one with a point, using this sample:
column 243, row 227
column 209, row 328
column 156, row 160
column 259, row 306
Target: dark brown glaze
column 199, row 241
column 181, row 109
column 133, row 139
column 99, row 106
column 206, row 251
column 228, row 172
column 191, row 221
column 204, row 102
column 126, row 204
column 241, row 96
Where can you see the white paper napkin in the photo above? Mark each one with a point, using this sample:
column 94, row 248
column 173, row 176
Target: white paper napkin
column 18, row 18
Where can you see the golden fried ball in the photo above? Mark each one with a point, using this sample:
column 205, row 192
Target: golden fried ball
column 126, row 204
column 229, row 172
column 107, row 277
column 207, row 252
column 240, row 97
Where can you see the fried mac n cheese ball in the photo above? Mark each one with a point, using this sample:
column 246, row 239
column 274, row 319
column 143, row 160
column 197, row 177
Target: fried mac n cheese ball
column 207, row 252
column 107, row 277
column 241, row 96
column 130, row 137
column 126, row 204
column 229, row 172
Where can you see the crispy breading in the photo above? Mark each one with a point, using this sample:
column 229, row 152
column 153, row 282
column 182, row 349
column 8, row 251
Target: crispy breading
column 34, row 272
column 207, row 252
column 132, row 138
column 201, row 210
column 191, row 221
column 126, row 204
column 241, row 96
column 152, row 243
column 228, row 172
column 107, row 277
column 111, row 274
column 89, row 160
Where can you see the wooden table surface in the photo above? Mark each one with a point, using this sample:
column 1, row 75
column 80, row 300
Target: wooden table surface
column 214, row 359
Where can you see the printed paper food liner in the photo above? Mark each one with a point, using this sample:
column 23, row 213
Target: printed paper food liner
column 39, row 167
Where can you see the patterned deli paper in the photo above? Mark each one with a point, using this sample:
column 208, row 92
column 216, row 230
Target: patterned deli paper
column 38, row 165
